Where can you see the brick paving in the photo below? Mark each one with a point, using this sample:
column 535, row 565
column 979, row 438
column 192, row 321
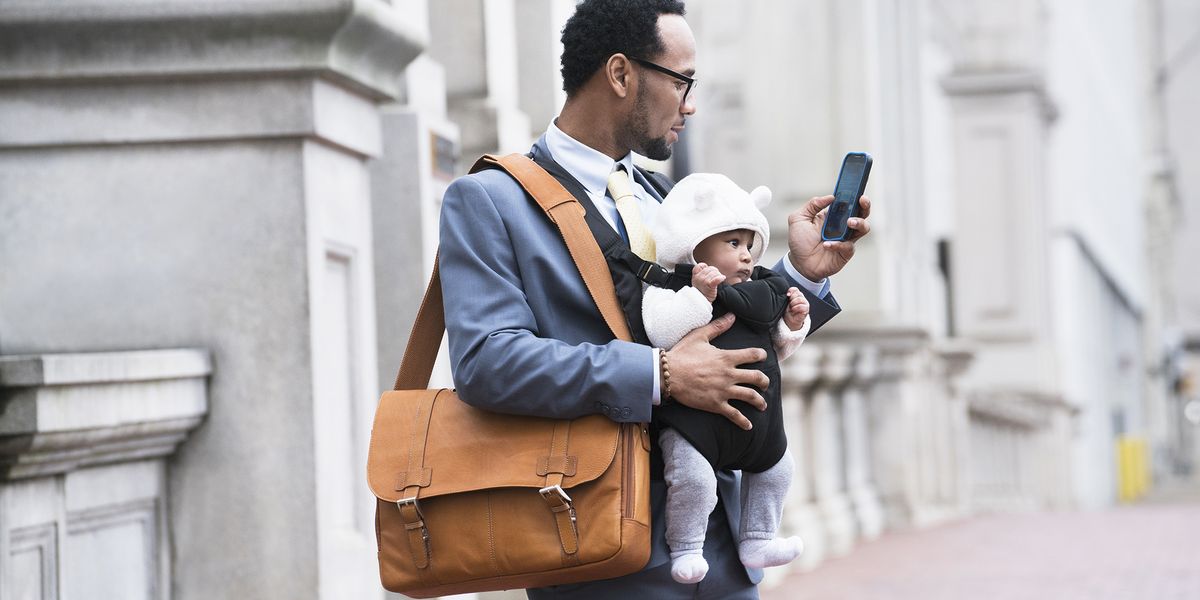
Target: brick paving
column 1146, row 551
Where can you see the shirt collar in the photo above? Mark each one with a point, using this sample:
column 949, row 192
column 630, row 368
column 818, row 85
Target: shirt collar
column 588, row 166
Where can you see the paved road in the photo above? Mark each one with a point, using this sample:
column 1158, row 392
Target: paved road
column 1148, row 551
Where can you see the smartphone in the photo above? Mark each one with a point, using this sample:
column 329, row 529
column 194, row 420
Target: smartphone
column 851, row 184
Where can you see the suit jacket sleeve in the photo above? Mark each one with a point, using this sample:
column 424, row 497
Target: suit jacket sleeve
column 508, row 356
column 821, row 310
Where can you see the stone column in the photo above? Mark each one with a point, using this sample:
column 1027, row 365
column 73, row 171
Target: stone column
column 825, row 428
column 195, row 174
column 801, row 516
column 476, row 42
column 860, row 485
column 954, row 358
column 420, row 158
column 894, row 408
column 539, row 46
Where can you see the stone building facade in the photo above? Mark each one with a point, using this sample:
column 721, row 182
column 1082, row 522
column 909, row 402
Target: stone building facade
column 216, row 220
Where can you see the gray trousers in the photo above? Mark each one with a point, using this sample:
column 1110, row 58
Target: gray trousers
column 692, row 495
column 726, row 578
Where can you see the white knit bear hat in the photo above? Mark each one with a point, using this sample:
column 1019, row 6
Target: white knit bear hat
column 701, row 205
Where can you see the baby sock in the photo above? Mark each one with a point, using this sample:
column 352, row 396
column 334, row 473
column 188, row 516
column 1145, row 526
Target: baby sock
column 688, row 566
column 757, row 554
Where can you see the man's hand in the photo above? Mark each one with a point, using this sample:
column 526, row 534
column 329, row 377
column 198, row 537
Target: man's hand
column 706, row 279
column 706, row 378
column 797, row 310
column 816, row 259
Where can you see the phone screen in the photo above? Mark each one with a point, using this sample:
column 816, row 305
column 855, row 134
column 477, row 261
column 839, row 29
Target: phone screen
column 844, row 196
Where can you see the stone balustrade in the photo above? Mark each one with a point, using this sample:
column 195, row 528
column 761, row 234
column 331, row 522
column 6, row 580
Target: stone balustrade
column 878, row 430
column 885, row 437
column 84, row 442
column 1020, row 449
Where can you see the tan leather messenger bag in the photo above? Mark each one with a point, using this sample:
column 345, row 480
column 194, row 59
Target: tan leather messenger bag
column 471, row 500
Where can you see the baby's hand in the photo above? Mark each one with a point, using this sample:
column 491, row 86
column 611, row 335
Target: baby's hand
column 797, row 310
column 706, row 279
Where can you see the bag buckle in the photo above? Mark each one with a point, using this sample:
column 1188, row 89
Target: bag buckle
column 558, row 500
column 417, row 523
column 564, row 516
column 554, row 496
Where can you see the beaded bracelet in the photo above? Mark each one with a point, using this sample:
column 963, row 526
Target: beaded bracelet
column 665, row 373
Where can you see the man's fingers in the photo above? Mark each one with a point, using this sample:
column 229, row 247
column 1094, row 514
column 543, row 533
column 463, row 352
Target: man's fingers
column 864, row 206
column 815, row 205
column 752, row 377
column 736, row 416
column 845, row 248
column 749, row 396
column 716, row 327
column 859, row 227
column 746, row 355
column 863, row 227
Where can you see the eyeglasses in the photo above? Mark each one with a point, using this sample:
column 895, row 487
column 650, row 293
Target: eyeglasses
column 690, row 81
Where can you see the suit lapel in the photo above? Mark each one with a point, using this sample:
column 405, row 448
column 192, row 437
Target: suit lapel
column 655, row 184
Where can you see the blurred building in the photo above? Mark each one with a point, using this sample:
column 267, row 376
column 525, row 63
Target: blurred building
column 216, row 220
column 1178, row 79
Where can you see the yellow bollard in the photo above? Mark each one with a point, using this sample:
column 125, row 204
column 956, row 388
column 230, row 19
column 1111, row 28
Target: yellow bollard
column 1133, row 467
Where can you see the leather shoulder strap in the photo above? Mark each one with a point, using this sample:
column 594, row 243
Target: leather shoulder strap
column 568, row 216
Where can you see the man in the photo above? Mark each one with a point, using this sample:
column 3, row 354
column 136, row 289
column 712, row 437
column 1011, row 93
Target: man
column 525, row 336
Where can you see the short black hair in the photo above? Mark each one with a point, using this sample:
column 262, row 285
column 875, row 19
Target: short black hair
column 602, row 28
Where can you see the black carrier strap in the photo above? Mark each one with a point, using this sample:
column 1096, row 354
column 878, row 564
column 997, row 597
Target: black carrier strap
column 628, row 270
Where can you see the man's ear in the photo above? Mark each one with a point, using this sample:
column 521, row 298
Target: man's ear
column 619, row 75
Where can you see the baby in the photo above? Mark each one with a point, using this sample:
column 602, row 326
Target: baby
column 710, row 227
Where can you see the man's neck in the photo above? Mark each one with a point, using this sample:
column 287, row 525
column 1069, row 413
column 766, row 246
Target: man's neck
column 579, row 122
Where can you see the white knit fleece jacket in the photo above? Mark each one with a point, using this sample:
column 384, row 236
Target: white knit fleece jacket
column 700, row 205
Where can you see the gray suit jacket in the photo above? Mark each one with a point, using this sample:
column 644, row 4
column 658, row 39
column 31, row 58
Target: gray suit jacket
column 524, row 335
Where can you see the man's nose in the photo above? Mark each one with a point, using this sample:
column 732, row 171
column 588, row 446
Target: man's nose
column 688, row 107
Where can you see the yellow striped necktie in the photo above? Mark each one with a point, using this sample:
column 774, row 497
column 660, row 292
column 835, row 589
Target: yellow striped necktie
column 640, row 240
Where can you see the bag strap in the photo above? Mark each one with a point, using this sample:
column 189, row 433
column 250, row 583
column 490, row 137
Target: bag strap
column 567, row 215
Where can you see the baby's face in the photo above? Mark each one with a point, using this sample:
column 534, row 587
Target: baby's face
column 729, row 252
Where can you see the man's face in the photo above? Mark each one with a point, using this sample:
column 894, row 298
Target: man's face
column 729, row 252
column 659, row 109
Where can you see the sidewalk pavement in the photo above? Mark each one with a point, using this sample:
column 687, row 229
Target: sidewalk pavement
column 1149, row 550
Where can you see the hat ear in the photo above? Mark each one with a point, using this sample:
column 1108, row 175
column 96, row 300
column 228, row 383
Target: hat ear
column 761, row 197
column 705, row 196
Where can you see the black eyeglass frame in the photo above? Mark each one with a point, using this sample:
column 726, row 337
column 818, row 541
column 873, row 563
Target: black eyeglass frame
column 690, row 81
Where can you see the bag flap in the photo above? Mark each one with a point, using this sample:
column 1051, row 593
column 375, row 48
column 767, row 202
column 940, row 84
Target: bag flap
column 468, row 449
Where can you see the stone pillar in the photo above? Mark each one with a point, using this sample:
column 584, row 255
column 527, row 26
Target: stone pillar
column 195, row 174
column 801, row 516
column 860, row 485
column 84, row 494
column 953, row 360
column 476, row 42
column 539, row 46
column 419, row 160
column 825, row 429
column 894, row 408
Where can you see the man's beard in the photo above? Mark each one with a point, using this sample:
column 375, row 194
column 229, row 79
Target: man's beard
column 652, row 148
